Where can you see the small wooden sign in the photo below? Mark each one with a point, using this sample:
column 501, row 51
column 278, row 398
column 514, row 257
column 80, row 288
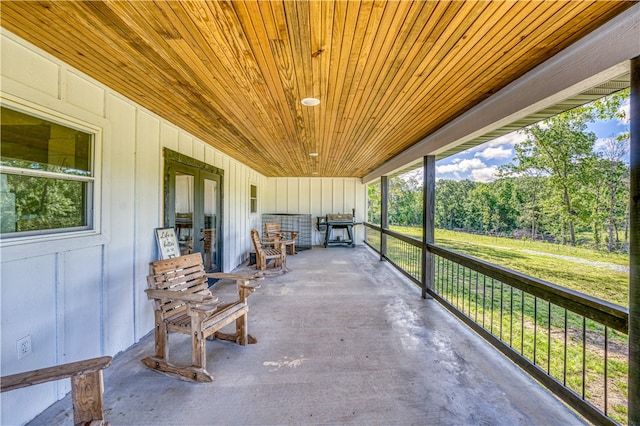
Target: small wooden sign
column 167, row 243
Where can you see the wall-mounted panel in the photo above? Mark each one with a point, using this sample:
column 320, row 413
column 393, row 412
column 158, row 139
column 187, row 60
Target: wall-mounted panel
column 84, row 94
column 29, row 68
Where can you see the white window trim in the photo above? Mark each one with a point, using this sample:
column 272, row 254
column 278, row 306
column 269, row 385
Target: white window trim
column 67, row 234
column 252, row 183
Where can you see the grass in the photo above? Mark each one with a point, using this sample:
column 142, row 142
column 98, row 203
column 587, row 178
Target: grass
column 565, row 345
column 593, row 274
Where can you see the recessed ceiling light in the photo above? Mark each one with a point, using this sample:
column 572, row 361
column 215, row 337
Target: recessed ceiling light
column 310, row 101
column 313, row 154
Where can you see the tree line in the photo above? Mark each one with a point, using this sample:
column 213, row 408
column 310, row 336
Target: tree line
column 558, row 187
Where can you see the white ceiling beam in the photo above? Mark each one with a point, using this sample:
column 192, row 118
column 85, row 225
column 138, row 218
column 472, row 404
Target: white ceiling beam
column 600, row 56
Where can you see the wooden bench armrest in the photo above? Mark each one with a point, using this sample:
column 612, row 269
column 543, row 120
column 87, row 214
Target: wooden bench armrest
column 43, row 375
column 235, row 277
column 204, row 309
column 179, row 295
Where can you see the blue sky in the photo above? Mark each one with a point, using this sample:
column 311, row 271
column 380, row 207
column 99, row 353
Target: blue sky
column 481, row 163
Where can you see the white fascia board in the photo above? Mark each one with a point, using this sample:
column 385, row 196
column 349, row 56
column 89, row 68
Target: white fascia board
column 600, row 56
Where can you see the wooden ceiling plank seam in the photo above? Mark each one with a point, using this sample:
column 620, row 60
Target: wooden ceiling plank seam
column 265, row 62
column 333, row 90
column 396, row 18
column 375, row 108
column 366, row 28
column 413, row 82
column 283, row 49
column 231, row 105
column 428, row 92
column 532, row 41
column 297, row 19
column 366, row 53
column 414, row 55
column 232, row 56
column 64, row 45
column 317, row 48
column 274, row 34
column 181, row 65
column 383, row 97
column 270, row 64
column 346, row 76
column 153, row 34
column 431, row 94
column 327, row 20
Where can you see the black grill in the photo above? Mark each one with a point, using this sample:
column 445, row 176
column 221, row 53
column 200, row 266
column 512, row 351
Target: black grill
column 343, row 222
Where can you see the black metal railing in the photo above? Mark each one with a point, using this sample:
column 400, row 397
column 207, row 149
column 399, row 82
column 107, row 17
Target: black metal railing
column 576, row 345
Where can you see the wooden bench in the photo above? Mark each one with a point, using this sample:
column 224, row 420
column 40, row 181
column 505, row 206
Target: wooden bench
column 183, row 304
column 86, row 386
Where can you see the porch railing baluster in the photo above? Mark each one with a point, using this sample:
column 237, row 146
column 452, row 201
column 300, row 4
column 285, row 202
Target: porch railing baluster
column 572, row 383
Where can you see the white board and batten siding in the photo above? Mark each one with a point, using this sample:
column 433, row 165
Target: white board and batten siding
column 317, row 197
column 82, row 295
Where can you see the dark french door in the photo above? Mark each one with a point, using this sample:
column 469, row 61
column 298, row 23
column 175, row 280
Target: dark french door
column 193, row 206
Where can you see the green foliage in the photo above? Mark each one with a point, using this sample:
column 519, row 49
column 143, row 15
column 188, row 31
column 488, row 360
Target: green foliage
column 557, row 188
column 42, row 203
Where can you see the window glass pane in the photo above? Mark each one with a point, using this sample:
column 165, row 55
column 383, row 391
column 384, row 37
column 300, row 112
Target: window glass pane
column 184, row 211
column 254, row 199
column 35, row 203
column 37, row 144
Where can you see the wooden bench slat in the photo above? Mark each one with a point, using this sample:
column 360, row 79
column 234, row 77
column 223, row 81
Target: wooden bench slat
column 43, row 375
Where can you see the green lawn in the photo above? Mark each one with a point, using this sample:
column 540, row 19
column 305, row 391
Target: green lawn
column 592, row 272
column 542, row 333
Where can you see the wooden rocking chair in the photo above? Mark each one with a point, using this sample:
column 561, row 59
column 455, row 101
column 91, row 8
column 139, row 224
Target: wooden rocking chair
column 183, row 304
column 273, row 234
column 264, row 253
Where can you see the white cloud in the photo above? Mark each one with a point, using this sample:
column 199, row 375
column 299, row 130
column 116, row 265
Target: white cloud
column 495, row 153
column 459, row 165
column 486, row 174
column 508, row 139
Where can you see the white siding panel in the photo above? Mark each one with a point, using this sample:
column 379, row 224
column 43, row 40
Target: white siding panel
column 84, row 94
column 29, row 68
column 148, row 216
column 210, row 155
column 169, row 137
column 199, row 150
column 120, row 251
column 185, row 144
column 304, row 195
column 293, row 192
column 327, row 197
column 83, row 296
column 317, row 197
column 28, row 312
column 338, row 196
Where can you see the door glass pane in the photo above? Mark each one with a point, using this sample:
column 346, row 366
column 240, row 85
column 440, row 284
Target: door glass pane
column 184, row 212
column 210, row 225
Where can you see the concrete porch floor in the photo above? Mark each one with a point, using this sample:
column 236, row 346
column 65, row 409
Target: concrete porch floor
column 342, row 339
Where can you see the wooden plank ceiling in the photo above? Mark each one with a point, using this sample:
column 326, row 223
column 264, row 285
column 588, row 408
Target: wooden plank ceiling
column 387, row 73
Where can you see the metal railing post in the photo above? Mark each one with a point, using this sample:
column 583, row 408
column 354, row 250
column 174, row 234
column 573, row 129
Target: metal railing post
column 634, row 247
column 428, row 221
column 384, row 214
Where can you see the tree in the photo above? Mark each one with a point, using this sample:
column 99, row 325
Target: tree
column 561, row 149
column 614, row 174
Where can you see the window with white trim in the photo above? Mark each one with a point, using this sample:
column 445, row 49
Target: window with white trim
column 253, row 198
column 46, row 175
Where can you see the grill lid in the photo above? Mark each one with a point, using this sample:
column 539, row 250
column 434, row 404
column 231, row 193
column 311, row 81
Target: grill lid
column 340, row 217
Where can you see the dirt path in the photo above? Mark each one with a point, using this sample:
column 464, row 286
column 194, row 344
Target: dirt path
column 602, row 265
